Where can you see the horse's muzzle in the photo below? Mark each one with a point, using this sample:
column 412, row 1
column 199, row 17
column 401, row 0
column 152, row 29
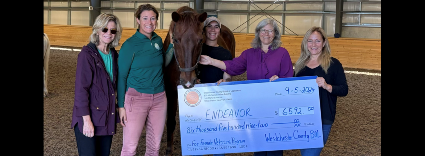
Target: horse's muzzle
column 187, row 84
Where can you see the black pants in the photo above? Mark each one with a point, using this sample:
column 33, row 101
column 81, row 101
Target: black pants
column 94, row 146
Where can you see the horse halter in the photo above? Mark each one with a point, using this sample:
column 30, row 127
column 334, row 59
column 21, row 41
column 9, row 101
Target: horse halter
column 174, row 51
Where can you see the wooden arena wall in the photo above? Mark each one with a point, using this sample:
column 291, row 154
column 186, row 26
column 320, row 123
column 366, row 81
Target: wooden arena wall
column 352, row 52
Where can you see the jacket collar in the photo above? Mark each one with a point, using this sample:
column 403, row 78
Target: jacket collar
column 142, row 36
column 95, row 53
column 94, row 50
column 92, row 46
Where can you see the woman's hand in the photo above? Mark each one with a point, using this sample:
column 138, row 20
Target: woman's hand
column 274, row 77
column 123, row 116
column 219, row 81
column 205, row 60
column 322, row 83
column 88, row 128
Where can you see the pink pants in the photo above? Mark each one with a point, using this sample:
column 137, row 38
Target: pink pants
column 143, row 108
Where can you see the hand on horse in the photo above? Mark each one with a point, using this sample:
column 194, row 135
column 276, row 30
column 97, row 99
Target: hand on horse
column 205, row 60
column 123, row 116
column 274, row 77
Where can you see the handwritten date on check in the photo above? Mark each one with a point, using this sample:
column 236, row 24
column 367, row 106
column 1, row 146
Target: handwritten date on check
column 249, row 116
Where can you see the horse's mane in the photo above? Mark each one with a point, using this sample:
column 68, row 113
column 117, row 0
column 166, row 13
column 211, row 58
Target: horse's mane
column 186, row 9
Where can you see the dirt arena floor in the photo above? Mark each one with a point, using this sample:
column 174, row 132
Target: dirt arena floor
column 356, row 131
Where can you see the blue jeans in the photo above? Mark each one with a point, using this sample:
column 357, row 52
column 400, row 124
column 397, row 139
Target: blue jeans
column 213, row 155
column 326, row 129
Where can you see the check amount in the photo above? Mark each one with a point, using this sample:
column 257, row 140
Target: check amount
column 296, row 111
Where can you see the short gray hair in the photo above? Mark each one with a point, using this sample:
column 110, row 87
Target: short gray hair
column 256, row 42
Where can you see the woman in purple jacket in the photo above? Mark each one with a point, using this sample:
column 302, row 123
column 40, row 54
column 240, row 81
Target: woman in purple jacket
column 94, row 116
column 265, row 60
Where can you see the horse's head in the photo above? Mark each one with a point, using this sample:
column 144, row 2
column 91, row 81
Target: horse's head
column 187, row 39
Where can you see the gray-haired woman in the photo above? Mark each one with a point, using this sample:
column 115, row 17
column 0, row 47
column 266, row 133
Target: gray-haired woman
column 265, row 60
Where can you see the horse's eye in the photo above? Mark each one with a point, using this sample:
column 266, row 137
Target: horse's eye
column 175, row 40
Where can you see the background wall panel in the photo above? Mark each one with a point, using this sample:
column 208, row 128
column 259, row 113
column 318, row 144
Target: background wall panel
column 235, row 22
column 126, row 18
column 80, row 18
column 46, row 16
column 300, row 23
column 59, row 17
column 234, row 12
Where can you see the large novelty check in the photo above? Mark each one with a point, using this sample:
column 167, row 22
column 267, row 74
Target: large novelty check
column 249, row 116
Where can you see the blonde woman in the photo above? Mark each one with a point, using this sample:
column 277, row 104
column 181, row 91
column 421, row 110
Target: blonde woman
column 315, row 60
column 94, row 117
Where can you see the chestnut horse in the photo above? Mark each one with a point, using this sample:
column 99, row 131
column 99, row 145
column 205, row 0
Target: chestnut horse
column 188, row 37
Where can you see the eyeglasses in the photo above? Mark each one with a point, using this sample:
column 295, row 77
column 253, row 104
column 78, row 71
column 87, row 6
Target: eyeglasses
column 113, row 30
column 263, row 31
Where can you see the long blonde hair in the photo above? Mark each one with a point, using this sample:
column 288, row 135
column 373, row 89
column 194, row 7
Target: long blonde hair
column 100, row 23
column 325, row 55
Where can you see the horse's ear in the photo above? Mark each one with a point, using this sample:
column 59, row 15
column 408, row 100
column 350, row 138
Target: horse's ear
column 175, row 16
column 202, row 17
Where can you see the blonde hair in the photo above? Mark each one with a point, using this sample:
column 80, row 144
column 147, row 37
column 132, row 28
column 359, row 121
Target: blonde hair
column 102, row 22
column 276, row 43
column 325, row 55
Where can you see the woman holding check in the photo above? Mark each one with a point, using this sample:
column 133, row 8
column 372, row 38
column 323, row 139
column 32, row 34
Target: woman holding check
column 265, row 60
